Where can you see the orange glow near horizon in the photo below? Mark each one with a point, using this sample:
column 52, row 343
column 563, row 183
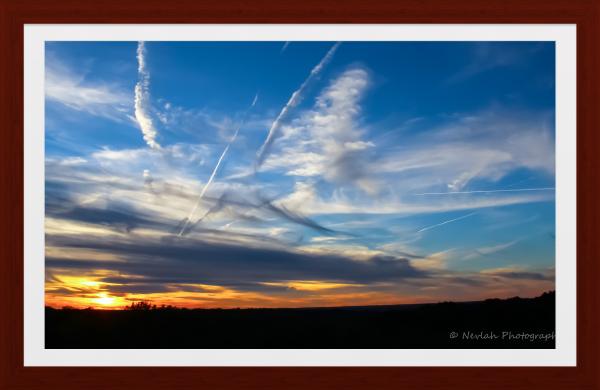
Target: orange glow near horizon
column 106, row 300
column 91, row 291
column 84, row 291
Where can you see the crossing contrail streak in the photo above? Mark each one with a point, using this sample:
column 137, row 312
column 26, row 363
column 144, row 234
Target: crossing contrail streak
column 488, row 191
column 292, row 102
column 216, row 169
column 445, row 222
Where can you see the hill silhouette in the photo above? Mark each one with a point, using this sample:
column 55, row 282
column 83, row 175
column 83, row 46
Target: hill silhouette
column 493, row 323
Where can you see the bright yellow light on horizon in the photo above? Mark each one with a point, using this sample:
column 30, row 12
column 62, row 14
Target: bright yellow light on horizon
column 104, row 300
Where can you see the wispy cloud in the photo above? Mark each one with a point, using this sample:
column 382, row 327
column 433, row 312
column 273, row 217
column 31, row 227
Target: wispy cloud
column 294, row 100
column 327, row 142
column 216, row 168
column 337, row 201
column 70, row 88
column 481, row 146
column 488, row 191
column 485, row 58
column 307, row 198
column 489, row 250
column 142, row 100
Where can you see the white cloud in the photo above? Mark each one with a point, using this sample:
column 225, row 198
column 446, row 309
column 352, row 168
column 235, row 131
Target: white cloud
column 73, row 161
column 326, row 141
column 326, row 144
column 497, row 248
column 435, row 261
column 306, row 199
column 293, row 101
column 489, row 250
column 171, row 160
column 70, row 88
column 487, row 146
column 142, row 100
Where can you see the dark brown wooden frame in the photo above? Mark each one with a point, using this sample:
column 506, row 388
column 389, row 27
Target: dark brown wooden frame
column 14, row 14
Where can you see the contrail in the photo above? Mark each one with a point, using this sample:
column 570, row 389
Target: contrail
column 445, row 222
column 496, row 248
column 294, row 100
column 488, row 191
column 285, row 45
column 216, row 169
column 283, row 212
column 142, row 100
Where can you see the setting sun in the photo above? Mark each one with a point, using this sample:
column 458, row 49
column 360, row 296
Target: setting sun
column 104, row 300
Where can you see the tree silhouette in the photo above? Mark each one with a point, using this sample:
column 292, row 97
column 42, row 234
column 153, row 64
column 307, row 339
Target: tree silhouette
column 142, row 305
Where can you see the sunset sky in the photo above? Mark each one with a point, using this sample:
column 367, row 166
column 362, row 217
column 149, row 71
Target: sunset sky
column 289, row 174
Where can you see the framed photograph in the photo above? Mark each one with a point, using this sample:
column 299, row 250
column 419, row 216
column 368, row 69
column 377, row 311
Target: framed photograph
column 283, row 196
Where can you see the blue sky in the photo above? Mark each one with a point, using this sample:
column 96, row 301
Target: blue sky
column 338, row 173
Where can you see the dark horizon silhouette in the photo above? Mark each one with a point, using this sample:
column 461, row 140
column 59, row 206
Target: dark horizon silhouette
column 493, row 323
